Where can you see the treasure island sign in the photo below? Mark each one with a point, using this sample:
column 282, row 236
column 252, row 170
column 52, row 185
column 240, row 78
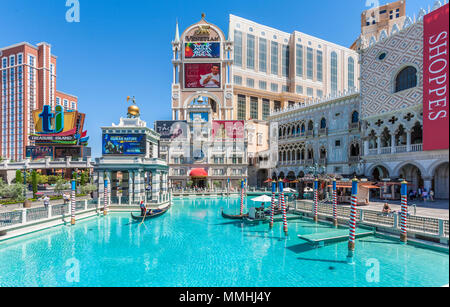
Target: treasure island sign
column 435, row 79
column 202, row 33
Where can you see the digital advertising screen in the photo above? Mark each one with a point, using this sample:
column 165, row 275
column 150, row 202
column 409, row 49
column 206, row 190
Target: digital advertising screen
column 124, row 144
column 172, row 130
column 202, row 75
column 199, row 116
column 39, row 152
column 232, row 129
column 202, row 50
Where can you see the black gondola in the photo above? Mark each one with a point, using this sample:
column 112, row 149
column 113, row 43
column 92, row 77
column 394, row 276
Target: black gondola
column 155, row 213
column 233, row 217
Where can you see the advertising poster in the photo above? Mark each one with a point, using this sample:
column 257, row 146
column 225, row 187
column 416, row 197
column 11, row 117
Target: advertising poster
column 124, row 144
column 202, row 75
column 202, row 50
column 228, row 129
column 172, row 130
column 39, row 152
column 199, row 116
column 62, row 152
column 435, row 79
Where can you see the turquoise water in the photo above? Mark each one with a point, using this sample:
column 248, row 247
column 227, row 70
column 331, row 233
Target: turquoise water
column 192, row 245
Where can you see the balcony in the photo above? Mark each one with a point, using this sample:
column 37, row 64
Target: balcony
column 396, row 149
column 354, row 159
column 323, row 131
column 323, row 161
column 354, row 126
column 310, row 133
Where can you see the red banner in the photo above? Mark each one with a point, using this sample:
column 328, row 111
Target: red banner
column 435, row 79
column 230, row 129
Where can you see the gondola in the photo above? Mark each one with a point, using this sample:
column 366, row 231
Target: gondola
column 233, row 217
column 256, row 220
column 155, row 213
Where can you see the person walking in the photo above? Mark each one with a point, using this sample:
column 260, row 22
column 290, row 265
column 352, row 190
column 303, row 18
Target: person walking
column 431, row 195
column 46, row 200
column 424, row 195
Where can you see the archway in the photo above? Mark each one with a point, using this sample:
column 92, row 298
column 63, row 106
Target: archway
column 440, row 181
column 261, row 176
column 379, row 173
column 413, row 175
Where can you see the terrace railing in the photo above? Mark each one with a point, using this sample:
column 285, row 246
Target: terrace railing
column 417, row 224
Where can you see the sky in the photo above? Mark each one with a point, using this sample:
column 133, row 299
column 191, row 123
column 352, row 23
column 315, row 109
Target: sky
column 122, row 48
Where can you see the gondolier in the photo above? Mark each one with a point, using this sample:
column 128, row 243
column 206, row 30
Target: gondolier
column 143, row 208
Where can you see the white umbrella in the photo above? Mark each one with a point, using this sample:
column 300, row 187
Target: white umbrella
column 308, row 189
column 289, row 190
column 262, row 199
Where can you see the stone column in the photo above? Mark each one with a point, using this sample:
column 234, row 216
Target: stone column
column 408, row 141
column 428, row 183
column 379, row 144
column 131, row 198
column 156, row 185
column 392, row 143
column 366, row 147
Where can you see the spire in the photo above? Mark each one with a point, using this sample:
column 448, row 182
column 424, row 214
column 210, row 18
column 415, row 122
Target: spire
column 177, row 34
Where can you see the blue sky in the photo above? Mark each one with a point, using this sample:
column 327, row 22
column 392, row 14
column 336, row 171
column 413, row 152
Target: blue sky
column 122, row 47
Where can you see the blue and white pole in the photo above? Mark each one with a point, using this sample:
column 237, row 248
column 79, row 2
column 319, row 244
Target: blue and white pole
column 106, row 198
column 283, row 208
column 316, row 200
column 272, row 211
column 72, row 202
column 352, row 223
column 404, row 214
column 335, row 219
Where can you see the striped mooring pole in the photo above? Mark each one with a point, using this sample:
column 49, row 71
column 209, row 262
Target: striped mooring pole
column 106, row 200
column 283, row 208
column 404, row 214
column 316, row 199
column 242, row 197
column 352, row 222
column 335, row 219
column 272, row 211
column 72, row 202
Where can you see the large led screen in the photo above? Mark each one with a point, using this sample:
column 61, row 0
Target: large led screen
column 124, row 144
column 202, row 50
column 202, row 75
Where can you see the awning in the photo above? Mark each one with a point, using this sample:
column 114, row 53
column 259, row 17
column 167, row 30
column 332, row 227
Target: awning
column 198, row 173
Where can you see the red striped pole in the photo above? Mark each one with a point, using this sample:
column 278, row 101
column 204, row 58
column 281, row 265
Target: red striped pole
column 404, row 214
column 105, row 193
column 242, row 197
column 352, row 223
column 72, row 202
column 316, row 200
column 283, row 209
column 272, row 211
column 335, row 219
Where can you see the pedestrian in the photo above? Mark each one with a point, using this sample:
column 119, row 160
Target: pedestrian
column 46, row 200
column 424, row 195
column 431, row 195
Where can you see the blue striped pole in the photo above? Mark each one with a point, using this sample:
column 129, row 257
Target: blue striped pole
column 283, row 208
column 272, row 211
column 352, row 223
column 404, row 214
column 242, row 197
column 72, row 202
column 335, row 219
column 316, row 200
column 105, row 193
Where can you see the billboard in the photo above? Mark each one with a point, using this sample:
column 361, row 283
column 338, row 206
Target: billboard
column 39, row 152
column 74, row 152
column 199, row 116
column 172, row 129
column 202, row 75
column 202, row 50
column 124, row 144
column 435, row 79
column 228, row 129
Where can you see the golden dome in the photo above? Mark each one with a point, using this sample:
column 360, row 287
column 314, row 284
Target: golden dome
column 133, row 110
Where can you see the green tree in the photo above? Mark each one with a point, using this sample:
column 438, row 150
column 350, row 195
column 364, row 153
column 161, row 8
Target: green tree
column 61, row 185
column 34, row 182
column 83, row 179
column 19, row 177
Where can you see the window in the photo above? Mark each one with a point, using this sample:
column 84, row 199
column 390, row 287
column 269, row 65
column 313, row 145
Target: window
column 253, row 107
column 73, row 106
column 299, row 60
column 309, row 63
column 319, row 93
column 262, row 85
column 262, row 55
column 266, row 108
column 274, row 58
column 238, row 48
column 406, row 78
column 355, row 117
column 334, row 68
column 237, row 80
column 319, row 66
column 309, row 92
column 323, row 123
column 285, row 89
column 285, row 61
column 241, row 110
column 382, row 56
column 337, row 143
column 277, row 105
column 299, row 89
column 274, row 87
column 250, row 82
column 351, row 73
column 250, row 51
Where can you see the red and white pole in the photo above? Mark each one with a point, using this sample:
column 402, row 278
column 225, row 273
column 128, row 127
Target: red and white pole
column 242, row 197
column 73, row 202
column 316, row 200
column 335, row 218
column 283, row 209
column 404, row 214
column 272, row 211
column 106, row 196
column 352, row 223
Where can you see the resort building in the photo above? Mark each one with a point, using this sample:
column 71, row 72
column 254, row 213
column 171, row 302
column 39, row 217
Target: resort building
column 27, row 82
column 396, row 143
column 130, row 163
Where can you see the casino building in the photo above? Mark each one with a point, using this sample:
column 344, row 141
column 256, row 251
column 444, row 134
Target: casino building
column 27, row 82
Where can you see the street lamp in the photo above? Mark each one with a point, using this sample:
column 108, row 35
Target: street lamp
column 316, row 170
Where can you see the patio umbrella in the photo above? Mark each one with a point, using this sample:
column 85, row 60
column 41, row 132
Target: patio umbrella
column 295, row 181
column 289, row 190
column 262, row 199
column 268, row 181
column 308, row 189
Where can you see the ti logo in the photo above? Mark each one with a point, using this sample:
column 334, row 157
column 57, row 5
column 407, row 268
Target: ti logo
column 58, row 119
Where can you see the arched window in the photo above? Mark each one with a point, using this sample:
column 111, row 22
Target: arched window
column 310, row 125
column 323, row 123
column 334, row 72
column 303, row 128
column 351, row 73
column 355, row 117
column 406, row 78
